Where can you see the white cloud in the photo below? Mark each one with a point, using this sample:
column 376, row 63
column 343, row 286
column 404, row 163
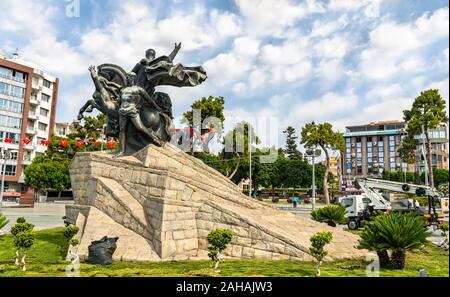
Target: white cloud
column 397, row 48
column 267, row 17
column 322, row 29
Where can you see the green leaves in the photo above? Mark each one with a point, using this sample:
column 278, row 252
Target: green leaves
column 210, row 107
column 322, row 135
column 44, row 173
column 331, row 214
column 394, row 231
column 318, row 242
column 23, row 238
column 218, row 239
column 3, row 221
column 70, row 231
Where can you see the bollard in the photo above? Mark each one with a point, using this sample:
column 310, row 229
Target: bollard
column 422, row 273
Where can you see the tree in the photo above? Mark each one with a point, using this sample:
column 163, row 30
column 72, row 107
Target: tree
column 330, row 214
column 92, row 127
column 209, row 107
column 218, row 240
column 267, row 174
column 396, row 232
column 23, row 239
column 291, row 146
column 318, row 242
column 44, row 173
column 236, row 150
column 427, row 112
column 322, row 135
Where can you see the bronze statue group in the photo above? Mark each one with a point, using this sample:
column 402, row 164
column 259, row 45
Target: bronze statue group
column 136, row 113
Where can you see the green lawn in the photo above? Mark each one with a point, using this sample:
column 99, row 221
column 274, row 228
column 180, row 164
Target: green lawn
column 46, row 258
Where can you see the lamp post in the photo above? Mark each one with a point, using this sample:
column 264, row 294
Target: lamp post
column 313, row 153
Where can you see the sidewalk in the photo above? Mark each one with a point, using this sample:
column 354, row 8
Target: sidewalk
column 43, row 215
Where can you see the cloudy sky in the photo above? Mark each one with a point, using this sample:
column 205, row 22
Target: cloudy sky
column 343, row 61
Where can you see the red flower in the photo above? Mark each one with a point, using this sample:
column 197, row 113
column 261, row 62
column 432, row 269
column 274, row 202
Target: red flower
column 97, row 143
column 111, row 144
column 79, row 143
column 8, row 140
column 26, row 140
column 63, row 143
column 45, row 142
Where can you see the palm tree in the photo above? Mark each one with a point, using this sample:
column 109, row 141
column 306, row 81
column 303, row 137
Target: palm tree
column 395, row 232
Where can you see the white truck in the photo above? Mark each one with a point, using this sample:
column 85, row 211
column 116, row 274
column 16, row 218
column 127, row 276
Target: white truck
column 362, row 207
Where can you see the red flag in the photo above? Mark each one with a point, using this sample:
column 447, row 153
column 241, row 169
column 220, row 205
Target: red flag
column 8, row 140
column 26, row 140
column 45, row 142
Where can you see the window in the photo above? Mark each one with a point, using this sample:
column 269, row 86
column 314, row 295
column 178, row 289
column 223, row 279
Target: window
column 43, row 112
column 8, row 105
column 45, row 98
column 369, row 155
column 392, row 137
column 11, row 90
column 42, row 127
column 11, row 122
column 10, row 169
column 47, row 84
column 347, row 202
column 391, row 149
column 14, row 136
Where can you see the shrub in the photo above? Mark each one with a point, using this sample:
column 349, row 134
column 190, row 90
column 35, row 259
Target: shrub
column 23, row 239
column 69, row 233
column 3, row 221
column 275, row 199
column 318, row 242
column 218, row 240
column 395, row 232
column 330, row 214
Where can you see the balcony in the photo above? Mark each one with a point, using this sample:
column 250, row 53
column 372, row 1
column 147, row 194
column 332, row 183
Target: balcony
column 33, row 100
column 32, row 115
column 30, row 131
column 26, row 161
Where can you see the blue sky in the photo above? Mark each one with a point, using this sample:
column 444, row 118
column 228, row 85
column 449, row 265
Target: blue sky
column 345, row 62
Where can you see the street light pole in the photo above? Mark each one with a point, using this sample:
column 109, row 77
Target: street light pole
column 250, row 162
column 313, row 183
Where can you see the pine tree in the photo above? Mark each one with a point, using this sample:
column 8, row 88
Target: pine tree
column 291, row 150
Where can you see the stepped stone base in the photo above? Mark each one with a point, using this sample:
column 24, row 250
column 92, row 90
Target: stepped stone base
column 162, row 202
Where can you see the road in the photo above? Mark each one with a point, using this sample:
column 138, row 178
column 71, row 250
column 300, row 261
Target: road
column 43, row 215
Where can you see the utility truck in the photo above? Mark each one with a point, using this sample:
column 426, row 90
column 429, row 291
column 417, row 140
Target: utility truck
column 364, row 207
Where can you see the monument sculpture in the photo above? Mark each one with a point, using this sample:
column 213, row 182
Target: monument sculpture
column 160, row 202
column 136, row 113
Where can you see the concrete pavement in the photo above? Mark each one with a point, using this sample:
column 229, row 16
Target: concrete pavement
column 43, row 215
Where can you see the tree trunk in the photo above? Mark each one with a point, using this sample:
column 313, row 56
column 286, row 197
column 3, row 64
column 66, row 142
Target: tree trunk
column 216, row 265
column 236, row 168
column 59, row 195
column 339, row 171
column 325, row 176
column 398, row 259
column 429, row 159
column 318, row 268
column 17, row 258
column 383, row 257
column 24, row 267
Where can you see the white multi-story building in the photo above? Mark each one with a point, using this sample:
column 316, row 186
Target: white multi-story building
column 28, row 97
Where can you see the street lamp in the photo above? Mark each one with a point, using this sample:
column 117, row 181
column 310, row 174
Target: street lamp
column 313, row 153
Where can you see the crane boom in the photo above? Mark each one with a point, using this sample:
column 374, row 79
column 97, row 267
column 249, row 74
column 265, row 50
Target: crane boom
column 371, row 183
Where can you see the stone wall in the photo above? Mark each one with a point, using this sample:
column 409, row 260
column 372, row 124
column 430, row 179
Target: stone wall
column 172, row 200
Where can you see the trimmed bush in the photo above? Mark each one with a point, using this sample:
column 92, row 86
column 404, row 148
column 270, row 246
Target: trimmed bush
column 318, row 242
column 218, row 240
column 330, row 214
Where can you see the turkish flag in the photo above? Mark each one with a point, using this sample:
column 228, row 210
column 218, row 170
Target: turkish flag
column 26, row 140
column 8, row 140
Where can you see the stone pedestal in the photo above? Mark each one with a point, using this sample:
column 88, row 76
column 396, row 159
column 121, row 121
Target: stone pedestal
column 162, row 202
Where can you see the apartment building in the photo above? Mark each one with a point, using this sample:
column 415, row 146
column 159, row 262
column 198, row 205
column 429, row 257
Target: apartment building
column 63, row 129
column 372, row 148
column 28, row 97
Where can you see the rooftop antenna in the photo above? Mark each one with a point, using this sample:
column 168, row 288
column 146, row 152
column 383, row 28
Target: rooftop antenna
column 16, row 54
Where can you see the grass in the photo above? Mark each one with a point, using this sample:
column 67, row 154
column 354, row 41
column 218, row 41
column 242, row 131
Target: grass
column 46, row 258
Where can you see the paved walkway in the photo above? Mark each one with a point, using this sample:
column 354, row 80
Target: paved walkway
column 43, row 215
